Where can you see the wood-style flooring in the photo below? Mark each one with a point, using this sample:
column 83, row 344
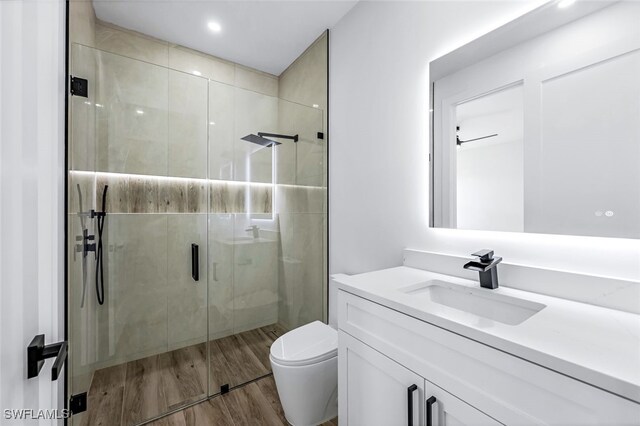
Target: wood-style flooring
column 134, row 392
column 254, row 404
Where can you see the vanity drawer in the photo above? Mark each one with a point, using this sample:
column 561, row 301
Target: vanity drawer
column 509, row 389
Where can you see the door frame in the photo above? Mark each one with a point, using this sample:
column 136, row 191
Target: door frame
column 67, row 375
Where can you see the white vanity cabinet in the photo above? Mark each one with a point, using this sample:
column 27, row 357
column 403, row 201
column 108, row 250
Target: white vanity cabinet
column 382, row 352
column 382, row 392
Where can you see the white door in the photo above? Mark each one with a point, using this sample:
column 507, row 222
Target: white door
column 31, row 204
column 374, row 390
column 444, row 409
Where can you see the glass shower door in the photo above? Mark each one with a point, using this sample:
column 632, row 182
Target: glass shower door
column 141, row 136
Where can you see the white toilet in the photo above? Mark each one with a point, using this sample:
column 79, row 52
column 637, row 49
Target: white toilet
column 305, row 368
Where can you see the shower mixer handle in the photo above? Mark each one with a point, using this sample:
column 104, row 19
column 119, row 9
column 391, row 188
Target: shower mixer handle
column 83, row 245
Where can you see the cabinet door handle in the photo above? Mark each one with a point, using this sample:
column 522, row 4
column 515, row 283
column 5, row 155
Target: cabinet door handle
column 410, row 390
column 430, row 403
column 195, row 262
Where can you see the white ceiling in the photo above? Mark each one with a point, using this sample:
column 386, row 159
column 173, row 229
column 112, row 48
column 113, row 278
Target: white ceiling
column 265, row 35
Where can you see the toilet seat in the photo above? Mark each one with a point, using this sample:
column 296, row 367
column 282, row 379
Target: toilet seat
column 306, row 345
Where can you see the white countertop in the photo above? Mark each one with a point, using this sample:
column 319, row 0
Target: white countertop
column 596, row 345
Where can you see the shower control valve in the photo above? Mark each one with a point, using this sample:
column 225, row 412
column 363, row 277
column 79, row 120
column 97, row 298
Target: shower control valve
column 84, row 246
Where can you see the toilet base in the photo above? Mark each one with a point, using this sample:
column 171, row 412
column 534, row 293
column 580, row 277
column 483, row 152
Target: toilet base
column 308, row 393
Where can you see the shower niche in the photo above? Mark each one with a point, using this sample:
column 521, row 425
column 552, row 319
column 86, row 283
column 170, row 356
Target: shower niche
column 214, row 228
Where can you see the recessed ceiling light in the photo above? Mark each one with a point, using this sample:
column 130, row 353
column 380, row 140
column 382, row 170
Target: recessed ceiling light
column 316, row 106
column 139, row 111
column 565, row 3
column 216, row 28
column 196, row 72
column 212, row 123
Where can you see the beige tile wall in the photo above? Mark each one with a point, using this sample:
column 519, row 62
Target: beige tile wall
column 82, row 22
column 305, row 80
column 114, row 39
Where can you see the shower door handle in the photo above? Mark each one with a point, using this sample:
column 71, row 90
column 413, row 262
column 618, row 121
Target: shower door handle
column 195, row 262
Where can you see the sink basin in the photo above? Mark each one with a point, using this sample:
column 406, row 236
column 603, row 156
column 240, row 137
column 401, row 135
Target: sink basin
column 481, row 302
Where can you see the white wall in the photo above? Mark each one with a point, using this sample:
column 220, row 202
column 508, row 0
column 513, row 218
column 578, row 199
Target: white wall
column 379, row 93
column 31, row 195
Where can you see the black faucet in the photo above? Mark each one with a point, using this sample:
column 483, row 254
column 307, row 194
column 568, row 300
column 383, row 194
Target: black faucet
column 487, row 266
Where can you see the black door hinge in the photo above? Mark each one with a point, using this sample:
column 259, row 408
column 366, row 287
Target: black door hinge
column 78, row 403
column 79, row 87
column 224, row 389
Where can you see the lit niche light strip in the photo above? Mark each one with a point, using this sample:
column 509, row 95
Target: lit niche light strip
column 273, row 189
column 166, row 178
column 187, row 179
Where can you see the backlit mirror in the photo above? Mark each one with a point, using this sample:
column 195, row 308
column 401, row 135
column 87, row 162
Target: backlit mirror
column 536, row 125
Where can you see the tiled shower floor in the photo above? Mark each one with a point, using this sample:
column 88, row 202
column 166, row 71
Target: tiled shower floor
column 130, row 393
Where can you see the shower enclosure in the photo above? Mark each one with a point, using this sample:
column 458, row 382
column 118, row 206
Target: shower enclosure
column 211, row 245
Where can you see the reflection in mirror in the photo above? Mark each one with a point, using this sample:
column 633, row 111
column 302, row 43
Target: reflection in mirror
column 490, row 171
column 535, row 125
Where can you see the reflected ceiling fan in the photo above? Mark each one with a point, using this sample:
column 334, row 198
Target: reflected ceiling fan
column 460, row 142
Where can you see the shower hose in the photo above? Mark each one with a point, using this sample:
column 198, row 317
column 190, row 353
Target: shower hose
column 99, row 262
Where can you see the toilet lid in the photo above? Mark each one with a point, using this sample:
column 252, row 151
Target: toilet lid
column 308, row 344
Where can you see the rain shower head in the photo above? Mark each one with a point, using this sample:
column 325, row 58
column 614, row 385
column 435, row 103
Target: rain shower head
column 260, row 140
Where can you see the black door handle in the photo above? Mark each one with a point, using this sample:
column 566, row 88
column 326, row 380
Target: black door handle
column 430, row 403
column 410, row 390
column 195, row 262
column 37, row 352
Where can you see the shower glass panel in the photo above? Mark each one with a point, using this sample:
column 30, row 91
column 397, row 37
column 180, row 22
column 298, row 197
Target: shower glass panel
column 266, row 228
column 300, row 204
column 213, row 242
column 141, row 133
